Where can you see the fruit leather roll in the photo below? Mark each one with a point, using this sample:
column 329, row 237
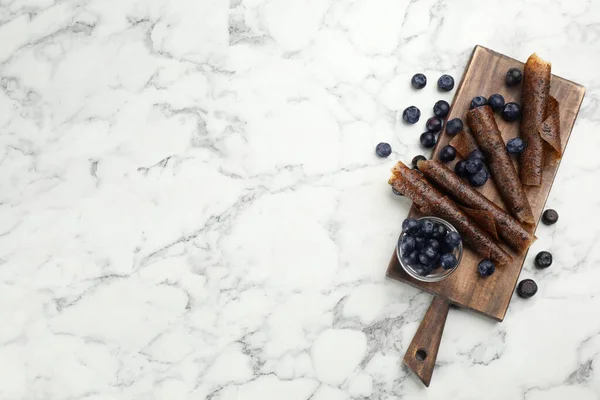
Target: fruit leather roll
column 483, row 126
column 480, row 208
column 540, row 120
column 431, row 202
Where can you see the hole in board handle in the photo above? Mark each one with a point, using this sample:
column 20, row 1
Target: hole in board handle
column 421, row 354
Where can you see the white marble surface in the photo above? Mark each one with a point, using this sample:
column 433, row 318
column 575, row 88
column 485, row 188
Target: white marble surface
column 191, row 207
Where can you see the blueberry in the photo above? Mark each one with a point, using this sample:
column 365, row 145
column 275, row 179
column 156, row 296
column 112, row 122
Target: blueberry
column 476, row 154
column 420, row 242
column 447, row 154
column 479, row 178
column 383, row 150
column 478, row 101
column 496, row 101
column 434, row 244
column 434, row 124
column 416, row 160
column 452, row 239
column 397, row 193
column 411, row 258
column 460, row 168
column 446, row 83
column 424, row 270
column 527, row 288
column 427, row 140
column 439, row 232
column 549, row 217
column 454, row 126
column 486, row 268
column 411, row 115
column 515, row 145
column 474, row 165
column 410, row 226
column 511, row 112
column 441, row 108
column 407, row 244
column 426, row 228
column 430, row 253
column 418, row 81
column 543, row 259
column 448, row 261
column 513, row 77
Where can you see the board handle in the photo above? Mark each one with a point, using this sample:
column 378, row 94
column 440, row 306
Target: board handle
column 422, row 352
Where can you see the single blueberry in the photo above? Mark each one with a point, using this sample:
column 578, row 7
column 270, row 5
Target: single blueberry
column 474, row 165
column 448, row 153
column 412, row 257
column 549, row 217
column 478, row 101
column 476, row 154
column 411, row 115
column 441, row 108
column 513, row 77
column 407, row 245
column 461, row 168
column 426, row 228
column 418, row 81
column 439, row 232
column 383, row 150
column 486, row 268
column 454, row 126
column 430, row 253
column 424, row 270
column 527, row 288
column 479, row 178
column 416, row 160
column 448, row 261
column 428, row 140
column 496, row 101
column 453, row 239
column 397, row 193
column 434, row 244
column 446, row 83
column 543, row 259
column 515, row 145
column 434, row 124
column 410, row 226
column 423, row 259
column 511, row 112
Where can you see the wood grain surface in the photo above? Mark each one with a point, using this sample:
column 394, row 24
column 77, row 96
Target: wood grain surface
column 484, row 76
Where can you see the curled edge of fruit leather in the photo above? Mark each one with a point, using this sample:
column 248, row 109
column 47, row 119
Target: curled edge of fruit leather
column 549, row 130
column 464, row 143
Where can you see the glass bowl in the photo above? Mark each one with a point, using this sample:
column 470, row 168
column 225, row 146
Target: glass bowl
column 439, row 273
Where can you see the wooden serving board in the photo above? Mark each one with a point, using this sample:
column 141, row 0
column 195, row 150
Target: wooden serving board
column 484, row 76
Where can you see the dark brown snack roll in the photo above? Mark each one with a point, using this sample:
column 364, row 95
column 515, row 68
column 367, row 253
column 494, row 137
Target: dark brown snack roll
column 477, row 206
column 549, row 130
column 534, row 101
column 431, row 202
column 464, row 144
column 485, row 131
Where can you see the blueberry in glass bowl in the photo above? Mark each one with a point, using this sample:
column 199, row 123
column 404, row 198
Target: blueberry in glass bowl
column 424, row 254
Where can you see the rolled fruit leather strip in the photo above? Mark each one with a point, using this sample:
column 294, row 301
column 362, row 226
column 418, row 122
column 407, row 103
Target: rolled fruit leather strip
column 463, row 143
column 431, row 202
column 483, row 126
column 534, row 100
column 477, row 206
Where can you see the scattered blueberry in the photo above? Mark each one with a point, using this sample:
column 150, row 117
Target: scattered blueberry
column 486, row 267
column 496, row 101
column 476, row 154
column 460, row 168
column 425, row 227
column 454, row 126
column 511, row 112
column 434, row 124
column 452, row 239
column 479, row 178
column 441, row 108
column 418, row 81
column 478, row 101
column 513, row 77
column 411, row 115
column 448, row 261
column 410, row 226
column 526, row 288
column 416, row 160
column 439, row 232
column 446, row 83
column 549, row 217
column 474, row 165
column 383, row 149
column 427, row 140
column 515, row 145
column 448, row 153
column 407, row 245
column 543, row 259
